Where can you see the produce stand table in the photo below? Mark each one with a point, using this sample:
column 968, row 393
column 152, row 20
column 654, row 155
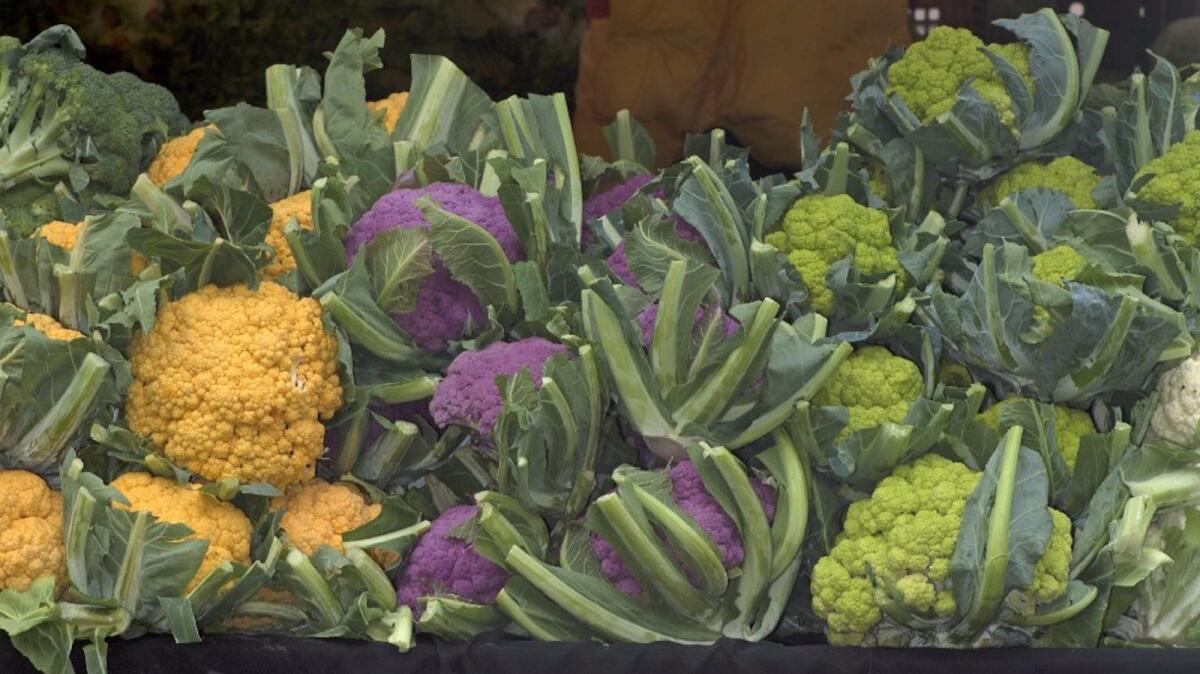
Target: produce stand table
column 497, row 654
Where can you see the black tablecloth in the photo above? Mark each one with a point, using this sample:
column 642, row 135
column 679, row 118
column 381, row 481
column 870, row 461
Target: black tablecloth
column 495, row 654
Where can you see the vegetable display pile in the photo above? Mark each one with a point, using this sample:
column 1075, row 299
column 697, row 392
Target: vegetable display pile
column 366, row 369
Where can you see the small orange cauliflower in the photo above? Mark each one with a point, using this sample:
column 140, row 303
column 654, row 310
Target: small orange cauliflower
column 227, row 530
column 318, row 513
column 297, row 206
column 48, row 327
column 65, row 234
column 174, row 155
column 391, row 107
column 31, row 531
column 234, row 383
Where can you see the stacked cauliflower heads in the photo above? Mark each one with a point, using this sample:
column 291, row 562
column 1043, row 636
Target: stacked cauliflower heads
column 896, row 545
column 234, row 383
column 31, row 531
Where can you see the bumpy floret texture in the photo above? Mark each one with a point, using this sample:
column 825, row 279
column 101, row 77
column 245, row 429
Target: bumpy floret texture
column 445, row 308
column 298, row 206
column 1178, row 410
column 390, row 107
column 317, row 513
column 930, row 74
column 819, row 230
column 31, row 531
column 689, row 494
column 1176, row 182
column 442, row 563
column 1065, row 174
column 233, row 383
column 48, row 327
column 227, row 530
column 1070, row 425
column 65, row 234
column 1051, row 574
column 646, row 318
column 874, row 386
column 174, row 155
column 1058, row 264
column 468, row 396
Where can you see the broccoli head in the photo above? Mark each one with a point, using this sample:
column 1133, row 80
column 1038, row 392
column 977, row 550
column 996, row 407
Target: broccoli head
column 468, row 396
column 819, row 230
column 1068, row 175
column 874, row 386
column 444, row 563
column 1175, row 181
column 445, row 308
column 930, row 74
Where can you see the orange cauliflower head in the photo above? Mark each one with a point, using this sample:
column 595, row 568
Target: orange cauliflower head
column 318, row 513
column 297, row 206
column 174, row 155
column 48, row 327
column 234, row 383
column 227, row 530
column 31, row 531
column 391, row 107
column 65, row 234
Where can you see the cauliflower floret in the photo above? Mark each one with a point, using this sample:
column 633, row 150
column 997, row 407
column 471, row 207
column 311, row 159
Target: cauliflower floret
column 468, row 396
column 298, row 206
column 1058, row 264
column 1176, row 182
column 48, row 327
column 445, row 308
column 175, row 154
column 1065, row 174
column 318, row 513
column 930, row 74
column 31, row 532
column 1178, row 409
column 227, row 530
column 1070, row 425
column 1050, row 576
column 232, row 383
column 819, row 230
column 390, row 107
column 875, row 386
column 442, row 563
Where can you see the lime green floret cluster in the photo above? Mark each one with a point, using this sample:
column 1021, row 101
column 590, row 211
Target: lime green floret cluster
column 930, row 74
column 875, row 387
column 903, row 537
column 1058, row 264
column 1176, row 182
column 1070, row 425
column 819, row 230
column 1065, row 174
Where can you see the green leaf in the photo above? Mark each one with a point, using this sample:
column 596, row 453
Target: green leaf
column 705, row 203
column 444, row 107
column 398, row 261
column 473, row 256
column 345, row 120
column 629, row 141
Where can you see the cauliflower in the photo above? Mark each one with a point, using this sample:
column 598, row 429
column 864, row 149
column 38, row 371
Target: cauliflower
column 930, row 74
column 317, row 513
column 65, row 234
column 1070, row 425
column 1178, row 409
column 1176, row 181
column 227, row 530
column 819, row 230
column 443, row 563
column 232, row 383
column 298, row 206
column 31, row 532
column 874, row 386
column 390, row 108
column 1068, row 175
column 175, row 154
column 445, row 307
column 693, row 498
column 1058, row 264
column 904, row 535
column 468, row 396
column 48, row 327
column 647, row 317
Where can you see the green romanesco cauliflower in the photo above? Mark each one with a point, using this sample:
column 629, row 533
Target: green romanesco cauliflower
column 1070, row 425
column 875, row 386
column 1176, row 181
column 1065, row 174
column 902, row 537
column 1058, row 264
column 819, row 230
column 930, row 74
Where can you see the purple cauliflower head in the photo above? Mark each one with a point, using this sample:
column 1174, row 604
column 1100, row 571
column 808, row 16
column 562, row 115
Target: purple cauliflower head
column 445, row 307
column 691, row 497
column 441, row 564
column 619, row 264
column 468, row 395
column 646, row 318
